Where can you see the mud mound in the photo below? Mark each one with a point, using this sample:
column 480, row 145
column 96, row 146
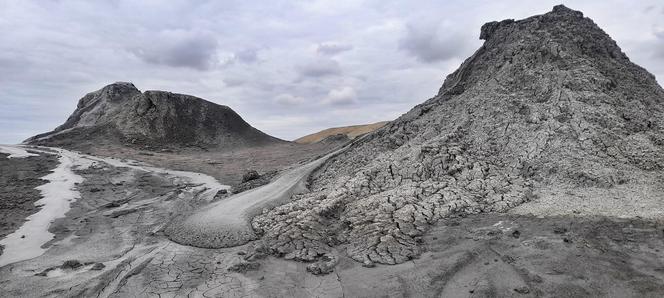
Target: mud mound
column 547, row 102
column 120, row 114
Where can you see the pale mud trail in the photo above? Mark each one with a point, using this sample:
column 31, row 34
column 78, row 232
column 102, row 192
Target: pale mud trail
column 227, row 223
column 57, row 195
column 15, row 151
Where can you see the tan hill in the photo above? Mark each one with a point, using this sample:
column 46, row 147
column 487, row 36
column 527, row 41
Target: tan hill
column 350, row 131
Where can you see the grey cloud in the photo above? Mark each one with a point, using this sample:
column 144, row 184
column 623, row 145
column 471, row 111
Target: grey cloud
column 658, row 45
column 233, row 81
column 53, row 52
column 659, row 34
column 320, row 68
column 179, row 49
column 247, row 55
column 429, row 44
column 331, row 48
column 288, row 100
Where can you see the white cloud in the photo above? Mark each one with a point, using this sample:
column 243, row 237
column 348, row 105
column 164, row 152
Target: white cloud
column 341, row 96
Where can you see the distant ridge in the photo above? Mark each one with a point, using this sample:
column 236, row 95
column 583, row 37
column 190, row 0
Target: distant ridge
column 351, row 132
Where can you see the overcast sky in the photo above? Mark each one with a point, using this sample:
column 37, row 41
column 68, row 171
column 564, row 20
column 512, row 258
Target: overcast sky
column 288, row 67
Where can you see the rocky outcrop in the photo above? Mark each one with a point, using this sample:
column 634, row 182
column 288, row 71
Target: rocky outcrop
column 120, row 113
column 547, row 102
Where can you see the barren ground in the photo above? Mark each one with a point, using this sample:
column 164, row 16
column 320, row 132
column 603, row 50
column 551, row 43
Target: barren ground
column 227, row 166
column 119, row 219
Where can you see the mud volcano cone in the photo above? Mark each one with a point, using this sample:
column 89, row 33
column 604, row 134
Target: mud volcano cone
column 548, row 104
column 121, row 114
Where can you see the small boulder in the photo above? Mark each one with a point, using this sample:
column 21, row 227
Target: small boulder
column 368, row 264
column 251, row 175
column 559, row 230
column 98, row 266
column 516, row 234
column 244, row 266
column 324, row 265
column 522, row 290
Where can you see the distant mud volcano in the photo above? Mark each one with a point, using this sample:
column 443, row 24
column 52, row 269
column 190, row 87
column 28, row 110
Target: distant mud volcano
column 549, row 105
column 120, row 114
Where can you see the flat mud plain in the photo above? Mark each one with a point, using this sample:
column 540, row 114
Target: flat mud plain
column 111, row 244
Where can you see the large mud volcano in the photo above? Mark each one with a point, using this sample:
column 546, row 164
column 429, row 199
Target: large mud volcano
column 548, row 105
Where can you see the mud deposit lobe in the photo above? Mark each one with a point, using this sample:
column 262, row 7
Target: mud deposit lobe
column 19, row 178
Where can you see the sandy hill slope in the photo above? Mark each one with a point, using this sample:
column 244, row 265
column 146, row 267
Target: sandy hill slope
column 121, row 114
column 350, row 131
column 548, row 109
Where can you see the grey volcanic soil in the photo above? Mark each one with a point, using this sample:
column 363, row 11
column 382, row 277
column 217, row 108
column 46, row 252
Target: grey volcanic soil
column 18, row 180
column 227, row 166
column 118, row 222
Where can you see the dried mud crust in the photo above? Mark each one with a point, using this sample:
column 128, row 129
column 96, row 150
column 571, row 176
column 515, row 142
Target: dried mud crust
column 546, row 101
column 485, row 255
column 18, row 180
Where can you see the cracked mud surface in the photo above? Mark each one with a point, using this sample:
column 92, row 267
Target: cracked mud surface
column 119, row 218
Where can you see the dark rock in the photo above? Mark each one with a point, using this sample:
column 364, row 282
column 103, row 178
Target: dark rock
column 324, row 265
column 98, row 266
column 522, row 290
column 250, row 175
column 71, row 264
column 559, row 230
column 368, row 264
column 253, row 183
column 516, row 234
column 222, row 193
